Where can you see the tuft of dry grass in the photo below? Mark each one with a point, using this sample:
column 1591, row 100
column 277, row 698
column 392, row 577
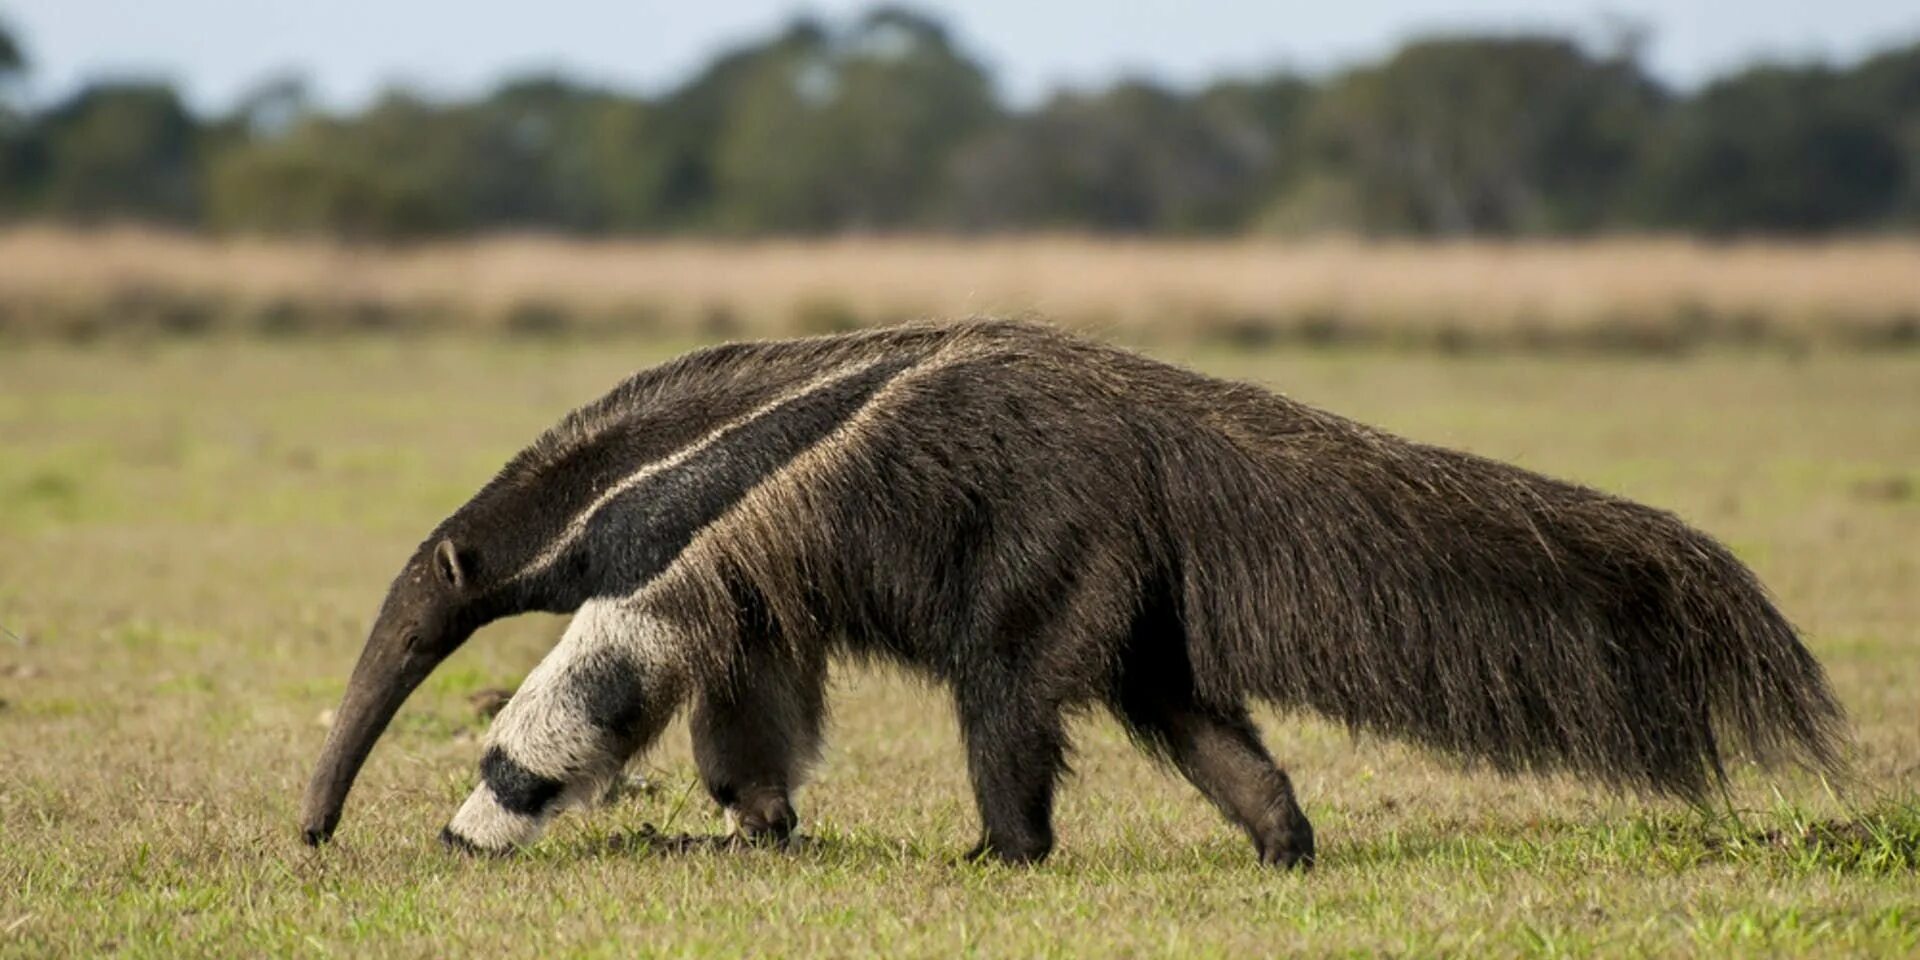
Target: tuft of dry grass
column 1648, row 294
column 194, row 535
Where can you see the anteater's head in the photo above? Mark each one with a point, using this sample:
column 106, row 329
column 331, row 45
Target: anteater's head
column 432, row 608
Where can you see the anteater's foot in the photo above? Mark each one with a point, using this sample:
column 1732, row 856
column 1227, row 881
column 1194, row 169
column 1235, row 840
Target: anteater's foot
column 1286, row 842
column 459, row 844
column 766, row 819
column 1017, row 852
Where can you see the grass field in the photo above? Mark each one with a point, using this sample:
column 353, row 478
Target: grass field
column 194, row 536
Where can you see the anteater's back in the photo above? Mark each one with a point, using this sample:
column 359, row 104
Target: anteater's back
column 1021, row 495
column 1459, row 601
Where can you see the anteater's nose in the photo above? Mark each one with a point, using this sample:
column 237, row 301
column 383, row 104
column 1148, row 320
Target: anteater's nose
column 316, row 836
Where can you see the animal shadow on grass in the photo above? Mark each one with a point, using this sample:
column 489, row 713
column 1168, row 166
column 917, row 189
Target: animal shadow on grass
column 1883, row 839
column 651, row 841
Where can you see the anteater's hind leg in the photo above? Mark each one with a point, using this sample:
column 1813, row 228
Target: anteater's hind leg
column 1219, row 751
column 603, row 693
column 755, row 736
column 1016, row 751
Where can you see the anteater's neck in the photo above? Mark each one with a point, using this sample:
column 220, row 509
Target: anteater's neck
column 616, row 509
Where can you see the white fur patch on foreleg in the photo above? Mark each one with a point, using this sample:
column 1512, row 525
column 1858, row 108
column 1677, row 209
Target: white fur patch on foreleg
column 567, row 732
column 482, row 823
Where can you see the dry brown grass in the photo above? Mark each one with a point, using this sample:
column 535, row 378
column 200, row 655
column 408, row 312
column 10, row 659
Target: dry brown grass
column 1634, row 293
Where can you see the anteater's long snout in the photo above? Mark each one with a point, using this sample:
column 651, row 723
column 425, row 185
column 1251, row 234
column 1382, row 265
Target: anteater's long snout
column 387, row 673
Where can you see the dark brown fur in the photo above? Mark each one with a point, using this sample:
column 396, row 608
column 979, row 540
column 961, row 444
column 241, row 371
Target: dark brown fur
column 1043, row 523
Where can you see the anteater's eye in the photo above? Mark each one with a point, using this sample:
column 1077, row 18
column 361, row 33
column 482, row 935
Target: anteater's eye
column 413, row 641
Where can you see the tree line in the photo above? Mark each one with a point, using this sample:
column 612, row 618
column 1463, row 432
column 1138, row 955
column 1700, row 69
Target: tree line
column 882, row 122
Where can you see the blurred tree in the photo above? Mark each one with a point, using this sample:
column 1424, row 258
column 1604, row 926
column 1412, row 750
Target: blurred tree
column 1486, row 135
column 538, row 153
column 670, row 179
column 14, row 145
column 286, row 188
column 1887, row 87
column 1265, row 118
column 272, row 107
column 648, row 177
column 831, row 131
column 531, row 157
column 1773, row 149
column 389, row 174
column 12, row 60
column 119, row 150
column 1135, row 158
column 267, row 111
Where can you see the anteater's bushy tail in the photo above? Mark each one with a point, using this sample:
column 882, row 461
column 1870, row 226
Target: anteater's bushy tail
column 1501, row 616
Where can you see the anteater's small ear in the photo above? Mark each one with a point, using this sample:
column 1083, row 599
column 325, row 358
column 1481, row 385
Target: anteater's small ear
column 446, row 562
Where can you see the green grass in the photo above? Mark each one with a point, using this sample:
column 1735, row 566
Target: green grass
column 194, row 536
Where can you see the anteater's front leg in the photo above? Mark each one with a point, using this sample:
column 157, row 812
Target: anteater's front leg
column 754, row 736
column 604, row 693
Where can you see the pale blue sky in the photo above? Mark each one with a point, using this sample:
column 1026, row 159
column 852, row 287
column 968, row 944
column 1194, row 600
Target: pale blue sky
column 349, row 49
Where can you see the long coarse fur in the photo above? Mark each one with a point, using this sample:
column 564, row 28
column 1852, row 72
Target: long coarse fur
column 1041, row 522
column 1041, row 496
